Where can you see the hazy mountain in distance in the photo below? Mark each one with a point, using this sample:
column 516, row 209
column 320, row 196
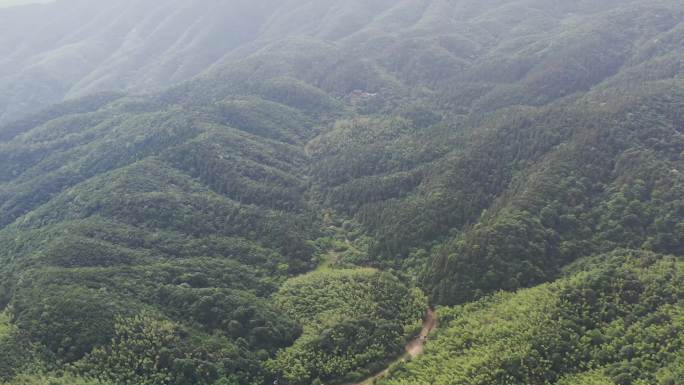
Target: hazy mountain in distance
column 75, row 47
column 14, row 3
column 72, row 48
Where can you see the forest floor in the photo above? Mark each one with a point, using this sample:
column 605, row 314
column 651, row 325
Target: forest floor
column 332, row 257
column 413, row 348
column 329, row 259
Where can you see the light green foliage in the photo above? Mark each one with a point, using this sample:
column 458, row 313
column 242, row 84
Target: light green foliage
column 18, row 354
column 5, row 326
column 319, row 298
column 673, row 373
column 353, row 320
column 589, row 378
column 621, row 318
column 476, row 339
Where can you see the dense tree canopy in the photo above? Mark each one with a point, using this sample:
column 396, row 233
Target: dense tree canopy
column 291, row 213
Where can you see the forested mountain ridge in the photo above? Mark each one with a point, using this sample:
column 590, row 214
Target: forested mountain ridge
column 414, row 149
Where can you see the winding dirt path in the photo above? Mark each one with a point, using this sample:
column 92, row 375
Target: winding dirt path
column 413, row 348
column 416, row 346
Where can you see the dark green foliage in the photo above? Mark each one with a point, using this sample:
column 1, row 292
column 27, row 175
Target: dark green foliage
column 110, row 213
column 146, row 350
column 513, row 252
column 237, row 314
column 69, row 320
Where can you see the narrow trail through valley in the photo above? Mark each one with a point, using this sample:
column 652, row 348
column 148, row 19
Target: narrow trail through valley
column 413, row 348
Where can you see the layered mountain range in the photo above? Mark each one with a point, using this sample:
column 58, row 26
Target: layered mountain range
column 232, row 192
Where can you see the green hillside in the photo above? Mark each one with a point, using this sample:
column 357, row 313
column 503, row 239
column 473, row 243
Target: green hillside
column 598, row 325
column 303, row 180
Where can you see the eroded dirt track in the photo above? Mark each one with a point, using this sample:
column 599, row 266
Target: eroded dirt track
column 416, row 346
column 413, row 348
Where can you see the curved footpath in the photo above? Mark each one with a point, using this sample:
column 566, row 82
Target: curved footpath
column 413, row 348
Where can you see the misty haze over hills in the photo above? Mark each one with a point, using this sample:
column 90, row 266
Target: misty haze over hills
column 76, row 47
column 14, row 3
column 255, row 192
